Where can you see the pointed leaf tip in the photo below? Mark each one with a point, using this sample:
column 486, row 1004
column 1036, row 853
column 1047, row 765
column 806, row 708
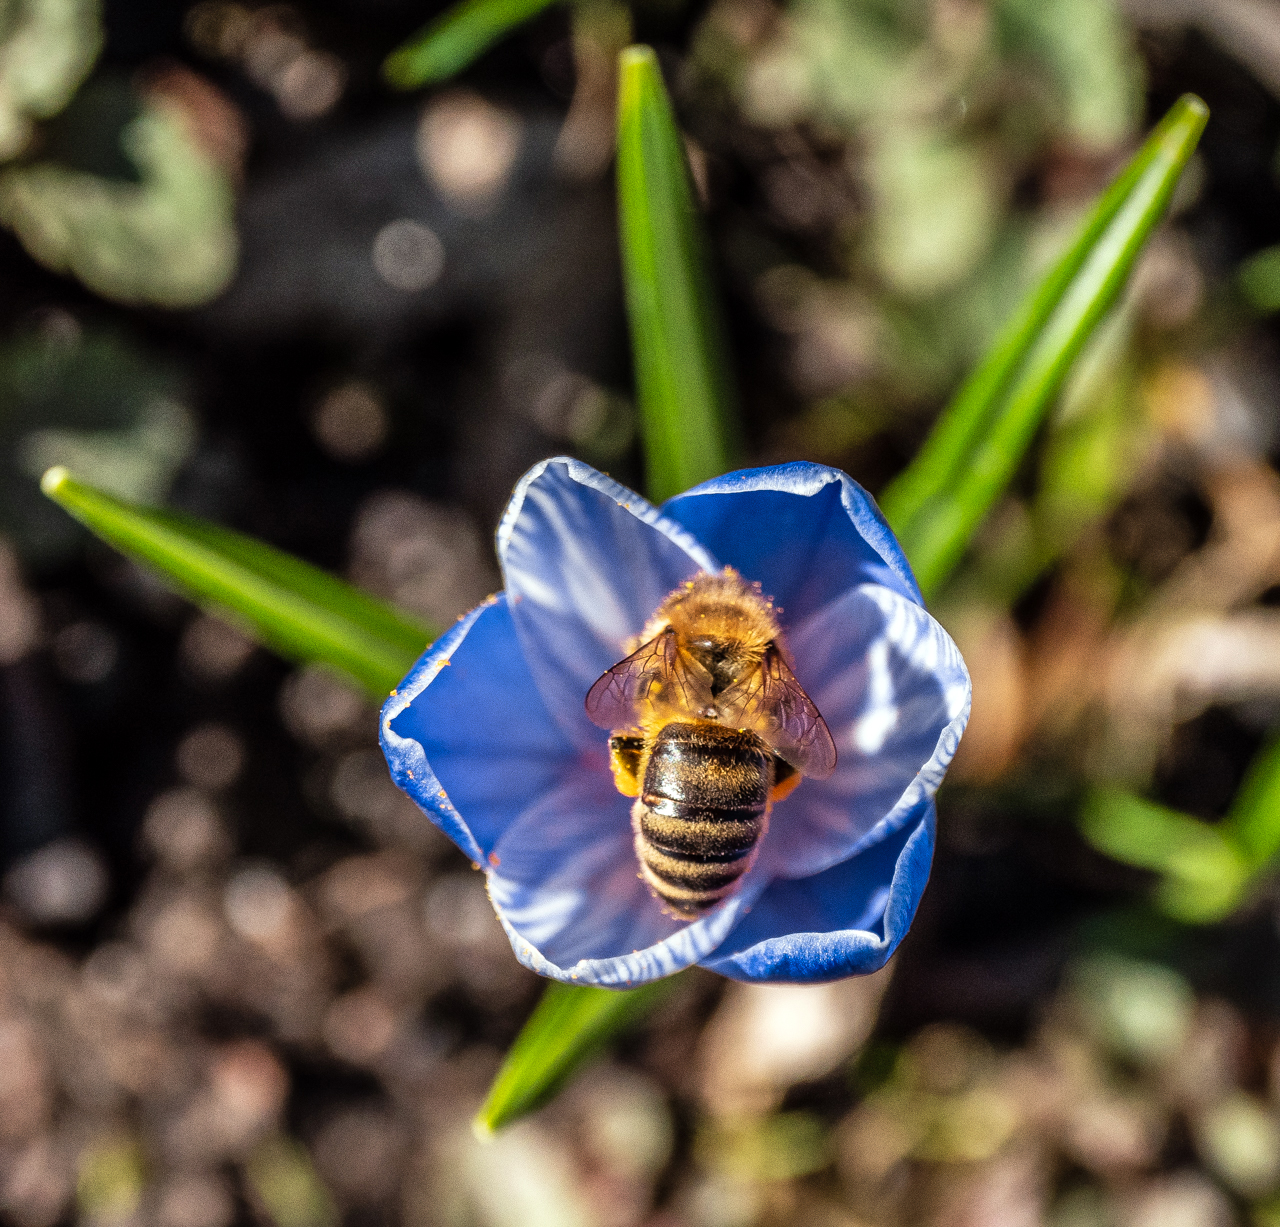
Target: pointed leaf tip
column 684, row 383
column 54, row 479
column 302, row 612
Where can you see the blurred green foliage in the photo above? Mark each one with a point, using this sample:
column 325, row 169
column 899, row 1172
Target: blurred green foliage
column 283, row 1178
column 1206, row 869
column 455, row 39
column 47, row 48
column 168, row 239
column 1259, row 280
column 93, row 399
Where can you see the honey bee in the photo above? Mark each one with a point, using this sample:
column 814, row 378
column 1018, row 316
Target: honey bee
column 709, row 727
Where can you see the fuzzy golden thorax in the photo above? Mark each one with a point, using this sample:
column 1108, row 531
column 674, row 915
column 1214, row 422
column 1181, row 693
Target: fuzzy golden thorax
column 721, row 622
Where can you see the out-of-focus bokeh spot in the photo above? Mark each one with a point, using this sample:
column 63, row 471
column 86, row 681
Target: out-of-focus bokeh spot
column 467, row 148
column 408, row 255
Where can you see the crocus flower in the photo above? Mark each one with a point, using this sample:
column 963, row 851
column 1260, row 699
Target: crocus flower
column 488, row 733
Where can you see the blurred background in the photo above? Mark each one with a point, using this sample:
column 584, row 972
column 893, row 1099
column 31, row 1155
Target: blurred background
column 243, row 980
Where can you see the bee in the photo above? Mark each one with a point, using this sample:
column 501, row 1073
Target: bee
column 709, row 727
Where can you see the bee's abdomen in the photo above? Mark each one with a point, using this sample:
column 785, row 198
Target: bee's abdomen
column 702, row 809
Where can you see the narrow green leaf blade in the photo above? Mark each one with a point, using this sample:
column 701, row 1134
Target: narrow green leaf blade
column 568, row 1025
column 683, row 385
column 449, row 44
column 297, row 609
column 939, row 501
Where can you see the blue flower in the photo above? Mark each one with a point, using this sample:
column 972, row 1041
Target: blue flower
column 489, row 736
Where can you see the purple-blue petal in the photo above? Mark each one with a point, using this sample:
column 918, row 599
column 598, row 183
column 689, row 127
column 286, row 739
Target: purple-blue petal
column 894, row 691
column 467, row 734
column 845, row 921
column 806, row 532
column 586, row 562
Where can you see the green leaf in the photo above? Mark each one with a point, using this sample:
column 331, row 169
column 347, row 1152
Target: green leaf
column 938, row 502
column 1203, row 872
column 295, row 608
column 1254, row 820
column 1259, row 280
column 568, row 1025
column 169, row 239
column 457, row 37
column 683, row 385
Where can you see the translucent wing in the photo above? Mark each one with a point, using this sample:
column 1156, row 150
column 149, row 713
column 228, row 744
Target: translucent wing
column 655, row 674
column 772, row 703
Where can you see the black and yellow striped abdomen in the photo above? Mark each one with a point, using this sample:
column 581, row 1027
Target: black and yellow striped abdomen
column 703, row 806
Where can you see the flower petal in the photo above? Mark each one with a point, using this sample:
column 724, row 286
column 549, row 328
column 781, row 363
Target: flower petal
column 467, row 734
column 566, row 888
column 895, row 692
column 844, row 922
column 806, row 532
column 586, row 563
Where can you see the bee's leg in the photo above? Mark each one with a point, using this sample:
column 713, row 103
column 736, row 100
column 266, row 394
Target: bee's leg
column 625, row 753
column 785, row 778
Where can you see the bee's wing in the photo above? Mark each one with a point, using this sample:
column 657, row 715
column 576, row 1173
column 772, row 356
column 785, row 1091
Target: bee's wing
column 774, row 704
column 622, row 693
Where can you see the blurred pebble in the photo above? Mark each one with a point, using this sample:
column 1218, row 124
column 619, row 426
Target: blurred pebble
column 183, row 831
column 765, row 1038
column 350, row 422
column 624, row 1138
column 1168, row 281
column 182, row 931
column 524, row 1177
column 467, row 148
column 214, row 650
column 363, row 884
column 249, row 1086
column 407, row 255
column 85, row 652
column 317, row 706
column 428, row 559
column 19, row 613
column 458, row 911
column 1182, row 1199
column 358, row 1151
column 36, row 1183
column 1210, row 1062
column 258, row 904
column 719, row 1201
column 310, row 84
column 195, row 1199
column 115, row 973
column 64, row 882
column 1142, row 1011
column 26, row 1099
column 359, row 1026
column 211, row 756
